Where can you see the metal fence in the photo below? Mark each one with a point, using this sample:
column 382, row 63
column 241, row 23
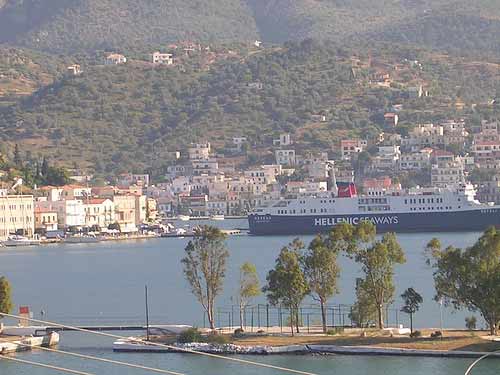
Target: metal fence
column 264, row 316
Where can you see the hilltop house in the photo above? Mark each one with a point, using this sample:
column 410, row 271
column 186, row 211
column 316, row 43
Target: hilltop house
column 115, row 59
column 159, row 58
column 74, row 70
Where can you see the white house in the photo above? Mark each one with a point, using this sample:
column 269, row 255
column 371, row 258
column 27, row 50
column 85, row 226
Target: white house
column 306, row 187
column 115, row 59
column 448, row 172
column 74, row 70
column 159, row 58
column 387, row 158
column 70, row 213
column 199, row 151
column 415, row 160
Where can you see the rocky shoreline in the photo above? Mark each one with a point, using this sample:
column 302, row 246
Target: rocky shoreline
column 232, row 349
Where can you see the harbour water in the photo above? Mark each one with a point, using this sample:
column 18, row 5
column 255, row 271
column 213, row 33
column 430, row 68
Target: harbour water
column 103, row 283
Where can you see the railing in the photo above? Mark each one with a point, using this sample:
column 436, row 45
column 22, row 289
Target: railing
column 263, row 316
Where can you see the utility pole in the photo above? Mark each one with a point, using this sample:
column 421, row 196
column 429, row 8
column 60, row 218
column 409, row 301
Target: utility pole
column 147, row 313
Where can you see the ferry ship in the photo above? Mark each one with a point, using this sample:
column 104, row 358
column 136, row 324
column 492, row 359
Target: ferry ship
column 412, row 210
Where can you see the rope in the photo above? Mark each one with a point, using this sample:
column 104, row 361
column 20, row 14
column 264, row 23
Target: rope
column 469, row 369
column 230, row 359
column 160, row 371
column 37, row 364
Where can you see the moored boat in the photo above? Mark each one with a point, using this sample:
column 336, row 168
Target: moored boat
column 217, row 217
column 133, row 344
column 82, row 239
column 17, row 240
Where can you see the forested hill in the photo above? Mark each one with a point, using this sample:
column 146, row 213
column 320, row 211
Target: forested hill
column 130, row 116
column 76, row 25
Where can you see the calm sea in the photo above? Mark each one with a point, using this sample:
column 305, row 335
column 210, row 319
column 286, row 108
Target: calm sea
column 104, row 284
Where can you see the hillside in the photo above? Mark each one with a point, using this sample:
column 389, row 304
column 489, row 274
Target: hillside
column 72, row 25
column 76, row 25
column 22, row 72
column 115, row 118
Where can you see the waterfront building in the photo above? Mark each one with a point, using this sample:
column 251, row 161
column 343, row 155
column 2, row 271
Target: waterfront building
column 99, row 212
column 16, row 215
column 141, row 209
column 125, row 212
column 70, row 212
column 46, row 220
column 152, row 209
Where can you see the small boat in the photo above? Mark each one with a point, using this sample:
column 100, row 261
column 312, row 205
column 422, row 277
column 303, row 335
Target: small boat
column 17, row 240
column 184, row 217
column 82, row 239
column 217, row 217
column 132, row 344
column 179, row 232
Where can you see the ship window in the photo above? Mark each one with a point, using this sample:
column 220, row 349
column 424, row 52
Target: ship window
column 406, row 201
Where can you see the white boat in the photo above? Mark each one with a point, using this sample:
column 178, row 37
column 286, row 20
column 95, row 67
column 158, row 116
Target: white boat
column 29, row 342
column 184, row 217
column 17, row 240
column 217, row 217
column 82, row 239
column 132, row 344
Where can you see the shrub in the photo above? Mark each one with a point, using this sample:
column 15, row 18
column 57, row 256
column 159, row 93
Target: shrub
column 335, row 331
column 471, row 323
column 217, row 339
column 261, row 331
column 436, row 334
column 416, row 334
column 190, row 335
column 239, row 331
